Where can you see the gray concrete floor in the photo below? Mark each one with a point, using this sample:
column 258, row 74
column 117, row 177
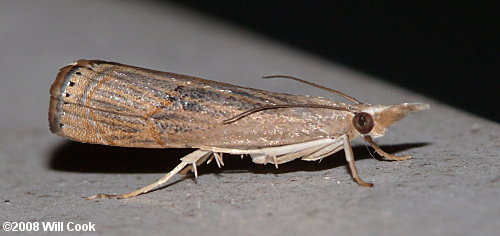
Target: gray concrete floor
column 451, row 187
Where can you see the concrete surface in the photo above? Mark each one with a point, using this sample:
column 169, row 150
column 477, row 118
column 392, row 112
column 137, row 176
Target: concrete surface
column 452, row 187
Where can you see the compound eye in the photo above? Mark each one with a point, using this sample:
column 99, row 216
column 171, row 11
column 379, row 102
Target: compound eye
column 363, row 122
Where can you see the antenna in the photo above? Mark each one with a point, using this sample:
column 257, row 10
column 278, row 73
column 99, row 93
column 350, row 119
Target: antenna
column 315, row 85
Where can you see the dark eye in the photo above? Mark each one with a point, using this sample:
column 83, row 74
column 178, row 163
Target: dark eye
column 363, row 122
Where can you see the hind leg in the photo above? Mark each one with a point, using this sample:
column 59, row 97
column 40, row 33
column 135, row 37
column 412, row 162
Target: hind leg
column 190, row 158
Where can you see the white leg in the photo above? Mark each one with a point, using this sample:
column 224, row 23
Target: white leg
column 272, row 151
column 299, row 154
column 218, row 158
column 190, row 158
column 211, row 158
column 329, row 153
column 193, row 168
column 275, row 161
column 326, row 151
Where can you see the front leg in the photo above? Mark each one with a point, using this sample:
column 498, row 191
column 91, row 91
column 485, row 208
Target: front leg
column 381, row 152
column 349, row 156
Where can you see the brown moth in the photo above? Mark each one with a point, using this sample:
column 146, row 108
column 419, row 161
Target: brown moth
column 114, row 104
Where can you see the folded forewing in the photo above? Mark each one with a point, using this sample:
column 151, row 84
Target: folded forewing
column 115, row 104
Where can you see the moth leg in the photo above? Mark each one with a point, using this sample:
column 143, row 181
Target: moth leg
column 294, row 155
column 195, row 170
column 270, row 151
column 218, row 159
column 190, row 158
column 275, row 161
column 349, row 156
column 210, row 159
column 215, row 156
column 324, row 152
column 381, row 152
column 192, row 167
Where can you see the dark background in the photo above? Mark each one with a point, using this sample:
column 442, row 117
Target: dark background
column 445, row 50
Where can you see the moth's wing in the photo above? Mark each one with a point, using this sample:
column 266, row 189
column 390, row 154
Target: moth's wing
column 114, row 104
column 89, row 103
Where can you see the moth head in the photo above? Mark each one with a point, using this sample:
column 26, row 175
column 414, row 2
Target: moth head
column 374, row 120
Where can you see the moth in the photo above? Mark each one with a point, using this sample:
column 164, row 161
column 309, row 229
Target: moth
column 108, row 103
